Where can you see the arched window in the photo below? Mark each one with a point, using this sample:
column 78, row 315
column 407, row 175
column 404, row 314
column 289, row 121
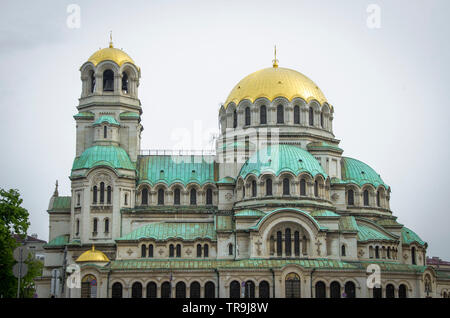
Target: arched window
column 350, row 197
column 210, row 290
column 143, row 251
column 144, row 194
column 193, row 197
column 94, row 227
column 377, row 252
column 106, row 225
column 320, row 290
column 302, row 187
column 269, row 187
column 151, row 290
column 234, row 119
column 321, row 120
column 249, row 289
column 389, row 252
column 366, row 197
column 125, row 83
column 160, row 196
column 102, row 192
column 78, row 227
column 280, row 114
column 108, row 81
column 165, row 290
column 264, row 289
column 296, row 115
column 297, row 243
column 230, row 249
column 390, row 291
column 263, row 115
column 235, row 289
column 108, row 195
column 136, row 290
column 287, row 241
column 335, row 290
column 254, row 190
column 292, row 286
column 92, row 81
column 209, row 196
column 178, row 250
column 377, row 292
column 206, row 250
column 311, row 116
column 105, row 132
column 150, row 250
column 247, row 116
column 316, row 189
column 199, row 250
column 116, row 290
column 378, row 199
column 413, row 255
column 402, row 291
column 89, row 287
column 243, row 191
column 176, row 196
column 171, row 250
column 180, row 290
column 194, row 290
column 94, row 195
column 279, row 244
column 286, row 187
column 343, row 250
column 350, row 290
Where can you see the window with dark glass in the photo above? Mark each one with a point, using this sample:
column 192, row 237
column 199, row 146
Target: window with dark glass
column 150, row 250
column 302, row 187
column 249, row 289
column 193, row 197
column 235, row 289
column 195, row 290
column 230, row 249
column 263, row 115
column 92, row 81
column 247, row 116
column 151, row 290
column 206, row 250
column 108, row 195
column 144, row 195
column 378, row 198
column 165, row 290
column 209, row 196
column 176, row 196
column 311, row 116
column 343, row 250
column 287, row 241
column 297, row 243
column 95, row 225
column 78, row 227
column 234, row 119
column 210, row 290
column 269, row 187
column 350, row 197
column 279, row 244
column 286, row 190
column 108, row 81
column 296, row 115
column 280, row 114
column 350, row 290
column 160, row 196
column 321, row 120
column 264, row 289
column 178, row 250
column 316, row 189
column 125, row 83
column 254, row 188
column 199, row 250
column 180, row 290
column 106, row 225
column 335, row 290
column 320, row 290
column 116, row 290
column 102, row 192
column 143, row 251
column 171, row 250
column 105, row 132
column 366, row 197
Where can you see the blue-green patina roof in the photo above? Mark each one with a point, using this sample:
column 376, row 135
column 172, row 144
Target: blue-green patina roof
column 323, row 213
column 250, row 213
column 172, row 169
column 357, row 172
column 108, row 119
column 260, row 221
column 281, row 158
column 58, row 241
column 321, row 145
column 163, row 231
column 129, row 115
column 409, row 236
column 112, row 156
column 367, row 233
column 61, row 204
column 348, row 223
column 85, row 115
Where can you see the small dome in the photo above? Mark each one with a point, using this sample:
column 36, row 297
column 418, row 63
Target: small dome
column 281, row 158
column 112, row 156
column 355, row 171
column 93, row 256
column 275, row 82
column 110, row 54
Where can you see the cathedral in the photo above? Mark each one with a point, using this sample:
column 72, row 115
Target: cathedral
column 275, row 210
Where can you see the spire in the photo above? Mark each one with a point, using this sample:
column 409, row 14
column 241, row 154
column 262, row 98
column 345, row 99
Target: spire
column 55, row 194
column 275, row 61
column 110, row 40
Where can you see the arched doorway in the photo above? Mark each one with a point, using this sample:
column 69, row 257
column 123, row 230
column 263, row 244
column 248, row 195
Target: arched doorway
column 402, row 291
column 350, row 290
column 165, row 290
column 335, row 290
column 249, row 290
column 264, row 289
column 235, row 289
column 390, row 291
column 195, row 290
column 116, row 290
column 210, row 290
column 292, row 286
column 320, row 290
column 377, row 292
column 180, row 290
column 151, row 290
column 89, row 287
column 136, row 290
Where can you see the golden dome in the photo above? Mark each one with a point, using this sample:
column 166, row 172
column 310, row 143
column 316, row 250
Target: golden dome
column 275, row 82
column 110, row 54
column 92, row 256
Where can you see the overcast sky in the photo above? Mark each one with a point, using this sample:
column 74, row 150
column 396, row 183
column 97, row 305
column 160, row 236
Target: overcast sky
column 389, row 85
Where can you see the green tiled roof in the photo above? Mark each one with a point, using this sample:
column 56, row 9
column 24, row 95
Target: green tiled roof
column 281, row 158
column 367, row 233
column 84, row 115
column 408, row 237
column 224, row 222
column 348, row 223
column 250, row 213
column 163, row 231
column 388, row 222
column 129, row 115
column 58, row 241
column 355, row 171
column 323, row 213
column 171, row 169
column 108, row 119
column 319, row 226
column 61, row 204
column 112, row 156
column 321, row 145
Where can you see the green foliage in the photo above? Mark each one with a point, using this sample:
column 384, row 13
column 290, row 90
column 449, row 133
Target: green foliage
column 13, row 219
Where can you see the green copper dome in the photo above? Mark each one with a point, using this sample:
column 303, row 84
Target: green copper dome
column 282, row 158
column 355, row 171
column 112, row 156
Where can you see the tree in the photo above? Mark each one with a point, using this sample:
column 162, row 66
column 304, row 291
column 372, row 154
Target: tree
column 13, row 219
